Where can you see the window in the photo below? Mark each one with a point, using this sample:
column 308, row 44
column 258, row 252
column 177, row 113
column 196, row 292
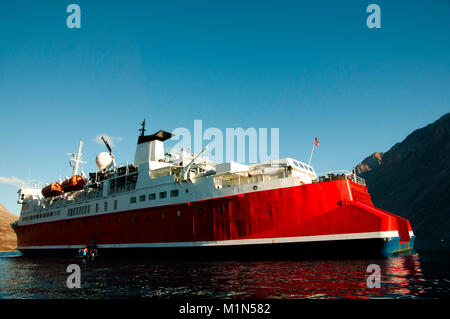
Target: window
column 133, row 199
column 115, row 204
column 162, row 215
column 178, row 213
column 174, row 193
column 162, row 194
column 133, row 219
column 152, row 196
column 200, row 211
column 142, row 198
column 106, row 206
column 96, row 207
column 220, row 209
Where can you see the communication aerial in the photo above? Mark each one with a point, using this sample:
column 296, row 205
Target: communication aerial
column 105, row 160
column 76, row 159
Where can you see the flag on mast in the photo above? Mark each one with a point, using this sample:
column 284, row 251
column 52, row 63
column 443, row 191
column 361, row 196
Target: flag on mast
column 316, row 143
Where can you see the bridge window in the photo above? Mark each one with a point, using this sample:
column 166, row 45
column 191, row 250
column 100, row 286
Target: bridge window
column 142, row 198
column 162, row 194
column 133, row 199
column 152, row 196
column 174, row 193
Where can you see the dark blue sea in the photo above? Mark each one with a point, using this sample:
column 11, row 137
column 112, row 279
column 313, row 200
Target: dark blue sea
column 423, row 274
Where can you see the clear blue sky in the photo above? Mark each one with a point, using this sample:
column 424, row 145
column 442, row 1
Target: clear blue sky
column 308, row 68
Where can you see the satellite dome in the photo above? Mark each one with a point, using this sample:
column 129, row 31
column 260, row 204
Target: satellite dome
column 104, row 161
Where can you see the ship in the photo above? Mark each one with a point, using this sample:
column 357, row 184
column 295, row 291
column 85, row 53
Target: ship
column 183, row 204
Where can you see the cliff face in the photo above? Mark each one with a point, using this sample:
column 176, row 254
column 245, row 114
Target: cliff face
column 8, row 239
column 371, row 163
column 412, row 179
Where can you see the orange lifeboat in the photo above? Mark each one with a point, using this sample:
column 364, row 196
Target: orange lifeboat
column 75, row 183
column 54, row 189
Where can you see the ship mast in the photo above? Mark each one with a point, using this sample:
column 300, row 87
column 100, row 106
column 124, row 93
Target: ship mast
column 76, row 158
column 143, row 128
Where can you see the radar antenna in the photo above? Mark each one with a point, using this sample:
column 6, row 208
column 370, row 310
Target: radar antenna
column 110, row 152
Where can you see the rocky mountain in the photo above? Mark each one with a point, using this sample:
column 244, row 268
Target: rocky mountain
column 412, row 179
column 8, row 239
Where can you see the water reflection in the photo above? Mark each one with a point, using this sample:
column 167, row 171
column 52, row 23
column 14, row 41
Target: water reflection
column 404, row 275
column 401, row 277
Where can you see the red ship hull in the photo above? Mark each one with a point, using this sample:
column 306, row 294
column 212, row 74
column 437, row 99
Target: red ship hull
column 337, row 214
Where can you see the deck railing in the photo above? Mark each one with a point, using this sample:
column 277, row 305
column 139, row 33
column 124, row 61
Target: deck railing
column 342, row 175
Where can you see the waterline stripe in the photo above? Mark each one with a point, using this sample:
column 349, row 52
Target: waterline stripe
column 278, row 240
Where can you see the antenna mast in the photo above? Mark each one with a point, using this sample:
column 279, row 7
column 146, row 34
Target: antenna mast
column 76, row 158
column 110, row 152
column 143, row 128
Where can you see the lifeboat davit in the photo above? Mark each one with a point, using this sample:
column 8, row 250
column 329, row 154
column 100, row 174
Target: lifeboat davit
column 54, row 189
column 75, row 183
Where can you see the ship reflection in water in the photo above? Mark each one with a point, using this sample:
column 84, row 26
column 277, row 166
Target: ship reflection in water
column 401, row 277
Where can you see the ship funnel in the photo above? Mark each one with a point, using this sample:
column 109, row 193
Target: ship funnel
column 150, row 148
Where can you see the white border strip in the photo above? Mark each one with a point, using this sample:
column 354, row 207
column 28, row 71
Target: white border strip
column 279, row 240
column 349, row 191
